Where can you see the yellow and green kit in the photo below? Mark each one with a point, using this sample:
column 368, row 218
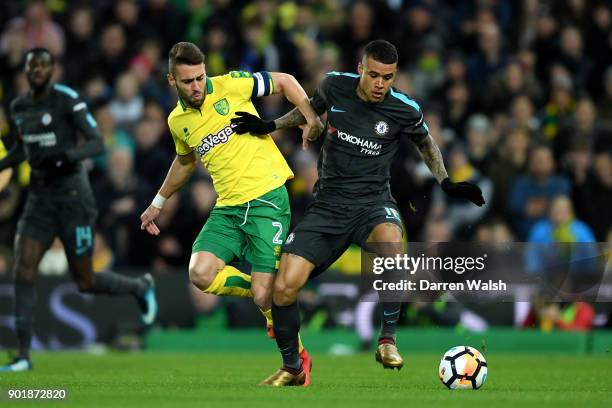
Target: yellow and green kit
column 252, row 215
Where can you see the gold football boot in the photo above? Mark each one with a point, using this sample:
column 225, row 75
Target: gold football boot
column 282, row 378
column 388, row 355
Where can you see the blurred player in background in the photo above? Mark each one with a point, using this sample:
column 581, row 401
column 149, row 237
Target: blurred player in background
column 6, row 174
column 252, row 215
column 46, row 124
column 366, row 117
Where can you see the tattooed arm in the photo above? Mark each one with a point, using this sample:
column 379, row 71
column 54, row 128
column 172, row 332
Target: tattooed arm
column 246, row 122
column 295, row 118
column 292, row 118
column 433, row 158
column 311, row 127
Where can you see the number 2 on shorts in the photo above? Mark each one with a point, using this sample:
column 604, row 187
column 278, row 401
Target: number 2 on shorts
column 276, row 240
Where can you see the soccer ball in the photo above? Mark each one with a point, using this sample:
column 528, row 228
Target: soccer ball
column 462, row 368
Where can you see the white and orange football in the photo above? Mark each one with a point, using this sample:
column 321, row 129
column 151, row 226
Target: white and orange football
column 463, row 367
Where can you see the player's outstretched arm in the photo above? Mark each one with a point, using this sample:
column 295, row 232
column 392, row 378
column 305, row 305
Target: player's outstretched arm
column 294, row 92
column 181, row 169
column 295, row 118
column 249, row 123
column 292, row 118
column 433, row 159
column 302, row 115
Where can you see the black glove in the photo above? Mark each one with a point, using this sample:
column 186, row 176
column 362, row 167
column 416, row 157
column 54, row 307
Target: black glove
column 248, row 123
column 57, row 164
column 464, row 189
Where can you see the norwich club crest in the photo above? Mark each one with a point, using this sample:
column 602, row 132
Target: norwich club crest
column 222, row 107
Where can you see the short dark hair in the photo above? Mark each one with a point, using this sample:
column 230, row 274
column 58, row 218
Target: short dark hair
column 185, row 53
column 381, row 51
column 40, row 51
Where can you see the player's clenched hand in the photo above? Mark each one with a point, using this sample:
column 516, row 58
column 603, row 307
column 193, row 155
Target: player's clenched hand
column 464, row 189
column 148, row 220
column 249, row 123
column 311, row 131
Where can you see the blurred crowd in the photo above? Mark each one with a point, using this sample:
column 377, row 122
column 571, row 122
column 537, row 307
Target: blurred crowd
column 517, row 94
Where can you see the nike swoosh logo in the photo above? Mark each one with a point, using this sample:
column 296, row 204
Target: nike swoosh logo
column 333, row 109
column 390, row 313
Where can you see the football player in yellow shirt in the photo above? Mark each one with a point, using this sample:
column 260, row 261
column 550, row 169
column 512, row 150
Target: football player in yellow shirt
column 252, row 215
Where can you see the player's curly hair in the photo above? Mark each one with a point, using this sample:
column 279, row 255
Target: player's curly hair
column 381, row 51
column 185, row 53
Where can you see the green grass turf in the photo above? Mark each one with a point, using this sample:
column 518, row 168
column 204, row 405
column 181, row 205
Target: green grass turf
column 227, row 380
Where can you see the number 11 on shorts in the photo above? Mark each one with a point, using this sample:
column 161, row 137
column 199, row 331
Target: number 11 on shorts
column 392, row 213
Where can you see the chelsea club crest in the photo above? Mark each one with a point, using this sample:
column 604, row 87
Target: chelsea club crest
column 381, row 128
column 46, row 119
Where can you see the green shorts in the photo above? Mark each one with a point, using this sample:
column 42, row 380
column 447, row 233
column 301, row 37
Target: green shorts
column 254, row 231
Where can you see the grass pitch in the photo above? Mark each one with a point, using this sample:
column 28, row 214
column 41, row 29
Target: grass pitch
column 228, row 380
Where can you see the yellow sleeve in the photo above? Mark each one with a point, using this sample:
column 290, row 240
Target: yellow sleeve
column 251, row 85
column 181, row 147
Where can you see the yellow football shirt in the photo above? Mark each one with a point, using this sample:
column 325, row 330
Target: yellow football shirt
column 243, row 167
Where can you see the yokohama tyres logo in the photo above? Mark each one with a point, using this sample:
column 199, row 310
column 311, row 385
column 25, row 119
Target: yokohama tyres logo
column 368, row 147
